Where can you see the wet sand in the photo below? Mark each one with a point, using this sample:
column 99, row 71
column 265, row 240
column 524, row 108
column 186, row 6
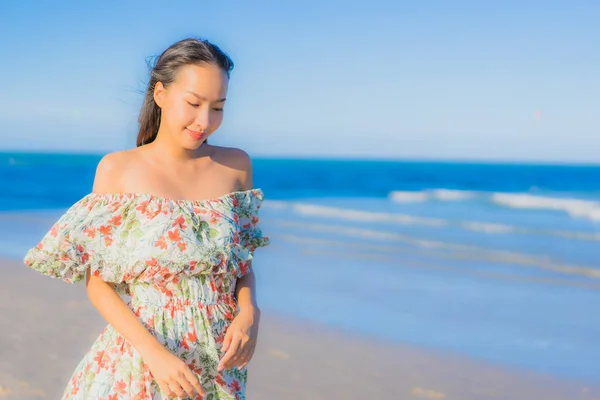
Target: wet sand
column 48, row 325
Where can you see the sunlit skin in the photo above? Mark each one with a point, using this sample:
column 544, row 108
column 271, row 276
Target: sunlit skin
column 177, row 165
column 192, row 106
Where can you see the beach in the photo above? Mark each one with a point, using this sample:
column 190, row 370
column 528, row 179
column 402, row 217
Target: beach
column 420, row 284
column 414, row 185
column 48, row 325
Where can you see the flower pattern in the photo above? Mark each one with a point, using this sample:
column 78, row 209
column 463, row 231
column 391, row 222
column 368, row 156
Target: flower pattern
column 178, row 261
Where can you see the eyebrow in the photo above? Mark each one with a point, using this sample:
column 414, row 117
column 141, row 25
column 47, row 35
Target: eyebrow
column 204, row 98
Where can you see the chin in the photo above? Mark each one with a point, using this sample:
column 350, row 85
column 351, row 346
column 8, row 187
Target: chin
column 190, row 146
column 194, row 145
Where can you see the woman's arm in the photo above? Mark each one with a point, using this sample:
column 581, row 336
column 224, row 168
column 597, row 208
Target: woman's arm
column 240, row 339
column 102, row 294
column 114, row 310
column 245, row 291
column 169, row 371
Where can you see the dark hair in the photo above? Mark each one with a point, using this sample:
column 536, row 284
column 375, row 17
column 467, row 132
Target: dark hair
column 165, row 68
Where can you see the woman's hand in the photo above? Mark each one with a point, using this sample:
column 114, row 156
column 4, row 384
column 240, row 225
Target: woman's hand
column 169, row 371
column 240, row 339
column 173, row 376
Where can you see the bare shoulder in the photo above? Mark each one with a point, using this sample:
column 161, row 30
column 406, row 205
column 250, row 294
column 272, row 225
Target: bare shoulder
column 109, row 170
column 238, row 161
column 232, row 156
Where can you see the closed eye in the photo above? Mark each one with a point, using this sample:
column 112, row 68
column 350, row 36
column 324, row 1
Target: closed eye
column 193, row 105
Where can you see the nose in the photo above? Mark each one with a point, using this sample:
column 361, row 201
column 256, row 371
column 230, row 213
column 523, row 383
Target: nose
column 203, row 120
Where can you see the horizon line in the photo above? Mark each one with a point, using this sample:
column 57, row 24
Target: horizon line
column 341, row 157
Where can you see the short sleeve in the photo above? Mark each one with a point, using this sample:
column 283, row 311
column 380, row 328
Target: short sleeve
column 251, row 235
column 127, row 238
column 81, row 238
column 62, row 252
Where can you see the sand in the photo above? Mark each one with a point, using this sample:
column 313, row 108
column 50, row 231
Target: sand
column 48, row 325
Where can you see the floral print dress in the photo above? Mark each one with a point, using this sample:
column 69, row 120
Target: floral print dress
column 178, row 261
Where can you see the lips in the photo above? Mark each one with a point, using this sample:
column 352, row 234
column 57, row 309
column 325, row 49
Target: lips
column 196, row 134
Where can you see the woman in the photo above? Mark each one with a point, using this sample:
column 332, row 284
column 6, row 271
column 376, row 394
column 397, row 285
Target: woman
column 173, row 223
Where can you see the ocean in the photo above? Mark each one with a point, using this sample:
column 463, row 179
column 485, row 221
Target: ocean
column 495, row 261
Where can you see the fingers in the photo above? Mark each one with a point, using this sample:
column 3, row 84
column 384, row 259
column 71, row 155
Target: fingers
column 240, row 352
column 193, row 380
column 245, row 357
column 231, row 350
column 188, row 389
column 165, row 388
column 184, row 385
column 227, row 340
column 175, row 389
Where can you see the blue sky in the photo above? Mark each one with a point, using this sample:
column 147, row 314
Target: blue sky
column 504, row 80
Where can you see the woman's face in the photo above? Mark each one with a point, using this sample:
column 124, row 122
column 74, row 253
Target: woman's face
column 192, row 105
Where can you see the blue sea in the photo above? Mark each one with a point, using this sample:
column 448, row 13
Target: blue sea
column 500, row 262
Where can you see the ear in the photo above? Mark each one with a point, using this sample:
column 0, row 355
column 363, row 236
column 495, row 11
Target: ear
column 159, row 94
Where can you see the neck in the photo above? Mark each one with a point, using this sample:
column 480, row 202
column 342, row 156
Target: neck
column 174, row 152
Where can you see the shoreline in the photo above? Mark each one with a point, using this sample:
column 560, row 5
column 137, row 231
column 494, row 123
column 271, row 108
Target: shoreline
column 51, row 324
